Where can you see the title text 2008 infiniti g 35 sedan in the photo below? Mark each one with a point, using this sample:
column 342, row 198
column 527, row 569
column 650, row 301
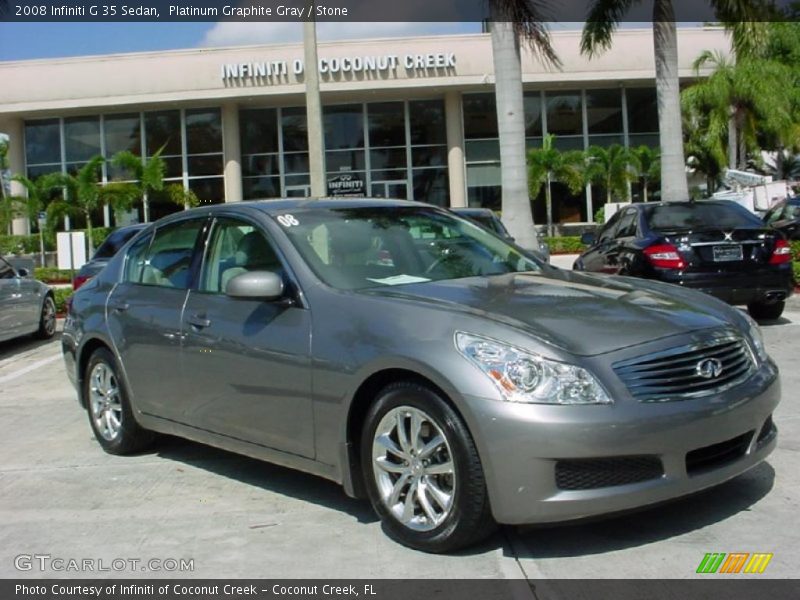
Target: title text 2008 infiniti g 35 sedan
column 418, row 360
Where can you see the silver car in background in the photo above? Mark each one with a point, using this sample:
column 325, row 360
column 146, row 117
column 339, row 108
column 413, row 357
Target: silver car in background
column 420, row 361
column 26, row 305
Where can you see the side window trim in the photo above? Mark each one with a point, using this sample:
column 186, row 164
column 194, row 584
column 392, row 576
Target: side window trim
column 128, row 258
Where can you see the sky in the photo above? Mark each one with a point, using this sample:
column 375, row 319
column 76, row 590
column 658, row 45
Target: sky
column 23, row 41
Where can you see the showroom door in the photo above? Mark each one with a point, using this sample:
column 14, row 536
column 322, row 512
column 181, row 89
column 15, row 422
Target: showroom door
column 397, row 190
column 298, row 191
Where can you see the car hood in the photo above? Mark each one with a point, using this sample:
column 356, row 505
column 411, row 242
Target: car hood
column 582, row 314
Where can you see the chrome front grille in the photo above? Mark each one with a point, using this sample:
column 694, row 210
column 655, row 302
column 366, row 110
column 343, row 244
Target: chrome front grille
column 691, row 371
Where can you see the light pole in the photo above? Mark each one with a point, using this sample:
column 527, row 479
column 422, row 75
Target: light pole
column 316, row 157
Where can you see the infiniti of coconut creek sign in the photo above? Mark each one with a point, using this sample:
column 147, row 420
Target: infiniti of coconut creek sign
column 441, row 63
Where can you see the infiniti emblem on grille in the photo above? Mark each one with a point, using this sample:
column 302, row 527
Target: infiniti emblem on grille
column 709, row 368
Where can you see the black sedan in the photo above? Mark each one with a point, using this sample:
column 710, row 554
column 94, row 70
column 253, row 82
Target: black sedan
column 785, row 217
column 115, row 240
column 715, row 246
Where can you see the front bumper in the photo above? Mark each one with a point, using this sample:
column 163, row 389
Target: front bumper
column 522, row 444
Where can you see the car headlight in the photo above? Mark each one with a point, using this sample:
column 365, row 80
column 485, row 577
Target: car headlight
column 524, row 377
column 756, row 340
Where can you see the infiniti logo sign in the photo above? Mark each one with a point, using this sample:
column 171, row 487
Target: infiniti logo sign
column 709, row 368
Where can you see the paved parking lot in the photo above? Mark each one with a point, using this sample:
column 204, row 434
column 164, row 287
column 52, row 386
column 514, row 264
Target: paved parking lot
column 60, row 495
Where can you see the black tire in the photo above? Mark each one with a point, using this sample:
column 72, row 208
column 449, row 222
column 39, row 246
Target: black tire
column 128, row 436
column 468, row 518
column 761, row 311
column 47, row 319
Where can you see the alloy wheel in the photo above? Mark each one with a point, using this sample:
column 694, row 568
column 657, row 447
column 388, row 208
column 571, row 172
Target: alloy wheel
column 413, row 468
column 104, row 401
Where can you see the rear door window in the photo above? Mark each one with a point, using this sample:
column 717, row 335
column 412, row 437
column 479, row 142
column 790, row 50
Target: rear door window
column 167, row 261
column 627, row 224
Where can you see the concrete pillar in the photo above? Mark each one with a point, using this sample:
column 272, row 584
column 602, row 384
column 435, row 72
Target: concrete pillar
column 14, row 128
column 232, row 152
column 456, row 167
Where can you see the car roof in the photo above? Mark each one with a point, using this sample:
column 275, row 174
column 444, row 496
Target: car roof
column 279, row 206
column 472, row 211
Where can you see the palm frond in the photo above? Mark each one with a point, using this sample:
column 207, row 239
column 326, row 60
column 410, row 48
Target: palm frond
column 602, row 21
column 529, row 19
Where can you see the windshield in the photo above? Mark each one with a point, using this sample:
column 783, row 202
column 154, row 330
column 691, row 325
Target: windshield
column 699, row 215
column 357, row 248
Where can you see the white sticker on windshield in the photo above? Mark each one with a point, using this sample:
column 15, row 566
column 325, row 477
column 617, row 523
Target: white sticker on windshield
column 399, row 280
column 288, row 220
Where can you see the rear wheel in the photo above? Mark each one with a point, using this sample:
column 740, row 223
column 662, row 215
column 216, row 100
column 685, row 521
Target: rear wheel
column 47, row 320
column 422, row 471
column 762, row 311
column 110, row 414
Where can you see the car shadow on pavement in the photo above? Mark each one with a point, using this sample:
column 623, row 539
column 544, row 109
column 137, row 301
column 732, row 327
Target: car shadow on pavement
column 24, row 344
column 267, row 476
column 774, row 322
column 646, row 526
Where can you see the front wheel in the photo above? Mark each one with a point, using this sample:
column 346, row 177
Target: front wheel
column 761, row 311
column 110, row 413
column 422, row 471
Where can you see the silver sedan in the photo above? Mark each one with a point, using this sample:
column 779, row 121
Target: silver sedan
column 421, row 361
column 26, row 305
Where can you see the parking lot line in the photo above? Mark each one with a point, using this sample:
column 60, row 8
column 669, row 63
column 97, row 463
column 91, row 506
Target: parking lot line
column 29, row 368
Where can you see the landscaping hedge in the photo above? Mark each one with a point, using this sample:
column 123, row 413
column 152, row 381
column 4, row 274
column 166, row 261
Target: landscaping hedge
column 51, row 275
column 29, row 244
column 60, row 295
column 796, row 264
column 565, row 245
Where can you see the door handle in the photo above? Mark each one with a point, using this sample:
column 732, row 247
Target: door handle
column 120, row 306
column 199, row 321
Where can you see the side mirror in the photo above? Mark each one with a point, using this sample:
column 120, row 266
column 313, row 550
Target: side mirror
column 23, row 273
column 262, row 285
column 588, row 238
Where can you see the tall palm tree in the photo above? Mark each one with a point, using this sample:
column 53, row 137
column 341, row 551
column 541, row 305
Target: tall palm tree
column 80, row 194
column 649, row 167
column 147, row 176
column 741, row 17
column 37, row 194
column 742, row 100
column 612, row 168
column 547, row 165
column 513, row 21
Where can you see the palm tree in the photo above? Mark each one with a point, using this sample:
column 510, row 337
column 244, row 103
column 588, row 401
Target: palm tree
column 741, row 17
column 612, row 168
column 37, row 194
column 547, row 165
column 81, row 194
column 649, row 167
column 512, row 21
column 742, row 100
column 147, row 176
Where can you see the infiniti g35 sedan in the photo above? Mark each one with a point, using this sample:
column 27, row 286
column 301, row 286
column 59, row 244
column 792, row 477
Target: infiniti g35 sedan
column 420, row 361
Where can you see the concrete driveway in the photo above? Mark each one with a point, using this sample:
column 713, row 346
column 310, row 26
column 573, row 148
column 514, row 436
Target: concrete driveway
column 62, row 497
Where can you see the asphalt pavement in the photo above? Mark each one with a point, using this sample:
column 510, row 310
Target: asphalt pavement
column 62, row 497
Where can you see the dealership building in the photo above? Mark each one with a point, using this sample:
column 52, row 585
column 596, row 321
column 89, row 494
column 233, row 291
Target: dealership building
column 403, row 117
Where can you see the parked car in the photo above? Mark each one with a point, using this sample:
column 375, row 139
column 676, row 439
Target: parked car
column 714, row 246
column 489, row 219
column 419, row 360
column 26, row 305
column 110, row 246
column 785, row 217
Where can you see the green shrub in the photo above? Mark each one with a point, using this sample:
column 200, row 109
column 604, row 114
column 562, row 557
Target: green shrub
column 796, row 263
column 19, row 244
column 60, row 295
column 565, row 245
column 51, row 275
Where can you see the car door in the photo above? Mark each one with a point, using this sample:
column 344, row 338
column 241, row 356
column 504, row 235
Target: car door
column 144, row 314
column 618, row 254
column 246, row 362
column 594, row 259
column 10, row 302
